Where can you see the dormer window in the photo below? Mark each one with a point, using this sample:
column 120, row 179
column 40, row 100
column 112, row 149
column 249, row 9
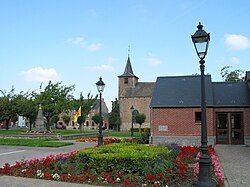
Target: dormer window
column 126, row 81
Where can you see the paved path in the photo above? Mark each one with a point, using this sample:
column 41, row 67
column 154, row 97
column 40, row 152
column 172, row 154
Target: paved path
column 10, row 181
column 10, row 154
column 235, row 160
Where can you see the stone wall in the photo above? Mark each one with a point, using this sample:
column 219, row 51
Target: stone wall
column 141, row 104
column 181, row 140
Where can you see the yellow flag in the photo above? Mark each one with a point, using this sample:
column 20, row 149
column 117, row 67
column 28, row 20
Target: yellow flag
column 77, row 114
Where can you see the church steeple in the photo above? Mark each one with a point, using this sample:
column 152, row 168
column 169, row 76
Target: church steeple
column 127, row 80
column 128, row 71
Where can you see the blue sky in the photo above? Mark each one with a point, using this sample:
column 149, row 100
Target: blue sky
column 77, row 41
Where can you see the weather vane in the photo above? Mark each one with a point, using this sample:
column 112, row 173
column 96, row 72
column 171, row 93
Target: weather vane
column 128, row 50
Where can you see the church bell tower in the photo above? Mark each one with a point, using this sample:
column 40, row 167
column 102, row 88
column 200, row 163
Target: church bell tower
column 127, row 80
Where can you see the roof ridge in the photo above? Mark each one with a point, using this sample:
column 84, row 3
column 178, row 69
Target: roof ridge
column 178, row 76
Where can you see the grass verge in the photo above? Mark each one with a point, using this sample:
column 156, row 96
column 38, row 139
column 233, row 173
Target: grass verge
column 41, row 142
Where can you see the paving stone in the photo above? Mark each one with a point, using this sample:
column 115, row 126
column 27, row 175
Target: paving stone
column 235, row 161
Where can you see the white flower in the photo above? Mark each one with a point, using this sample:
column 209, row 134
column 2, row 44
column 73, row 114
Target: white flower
column 118, row 179
column 56, row 176
column 24, row 170
column 39, row 173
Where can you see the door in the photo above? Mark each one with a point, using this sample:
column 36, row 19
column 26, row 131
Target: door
column 229, row 128
column 237, row 136
column 222, row 136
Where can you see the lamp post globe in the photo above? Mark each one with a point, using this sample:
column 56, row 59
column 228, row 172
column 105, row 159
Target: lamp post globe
column 132, row 120
column 201, row 41
column 100, row 87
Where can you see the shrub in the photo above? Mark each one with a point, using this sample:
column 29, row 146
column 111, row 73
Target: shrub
column 124, row 157
column 145, row 135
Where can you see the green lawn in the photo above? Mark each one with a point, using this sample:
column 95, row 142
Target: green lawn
column 41, row 142
column 12, row 131
column 69, row 132
column 62, row 132
column 123, row 134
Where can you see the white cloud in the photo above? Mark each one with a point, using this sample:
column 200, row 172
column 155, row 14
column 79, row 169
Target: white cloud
column 39, row 74
column 94, row 47
column 76, row 40
column 111, row 60
column 152, row 60
column 235, row 60
column 237, row 42
column 103, row 67
column 80, row 41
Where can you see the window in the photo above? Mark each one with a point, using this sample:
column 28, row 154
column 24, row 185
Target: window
column 126, row 81
column 197, row 117
column 87, row 123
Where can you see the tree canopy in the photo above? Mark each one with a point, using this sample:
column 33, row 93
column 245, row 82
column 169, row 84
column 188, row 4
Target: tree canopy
column 55, row 98
column 114, row 118
column 234, row 75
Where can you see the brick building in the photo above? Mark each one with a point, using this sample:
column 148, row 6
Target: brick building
column 176, row 115
column 89, row 123
column 131, row 92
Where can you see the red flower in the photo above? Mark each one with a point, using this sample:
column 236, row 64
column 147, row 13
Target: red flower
column 82, row 178
column 126, row 182
column 64, row 177
column 46, row 162
column 47, row 174
column 92, row 177
column 150, row 177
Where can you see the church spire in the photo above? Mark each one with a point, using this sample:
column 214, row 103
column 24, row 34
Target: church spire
column 128, row 71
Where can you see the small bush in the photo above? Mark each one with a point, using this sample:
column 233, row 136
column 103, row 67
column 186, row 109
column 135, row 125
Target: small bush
column 125, row 157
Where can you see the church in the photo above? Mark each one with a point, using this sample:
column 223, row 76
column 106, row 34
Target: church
column 131, row 92
column 172, row 108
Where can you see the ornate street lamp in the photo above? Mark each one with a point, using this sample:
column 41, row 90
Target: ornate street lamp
column 201, row 40
column 100, row 87
column 132, row 120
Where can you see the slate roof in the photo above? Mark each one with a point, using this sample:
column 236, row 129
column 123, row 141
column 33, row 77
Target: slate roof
column 180, row 91
column 247, row 75
column 96, row 107
column 184, row 91
column 231, row 94
column 128, row 72
column 141, row 89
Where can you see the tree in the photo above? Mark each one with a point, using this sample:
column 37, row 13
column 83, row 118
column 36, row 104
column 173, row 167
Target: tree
column 26, row 106
column 235, row 75
column 66, row 119
column 7, row 107
column 86, row 105
column 114, row 118
column 55, row 99
column 140, row 118
column 97, row 118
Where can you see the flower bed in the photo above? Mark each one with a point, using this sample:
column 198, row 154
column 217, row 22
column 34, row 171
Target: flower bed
column 123, row 164
column 109, row 140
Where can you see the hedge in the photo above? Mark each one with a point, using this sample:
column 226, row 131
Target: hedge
column 126, row 157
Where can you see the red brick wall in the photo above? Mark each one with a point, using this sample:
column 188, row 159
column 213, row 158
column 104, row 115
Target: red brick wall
column 180, row 121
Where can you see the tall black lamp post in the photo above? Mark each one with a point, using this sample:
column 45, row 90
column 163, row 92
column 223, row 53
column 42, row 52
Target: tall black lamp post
column 100, row 87
column 201, row 40
column 132, row 120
